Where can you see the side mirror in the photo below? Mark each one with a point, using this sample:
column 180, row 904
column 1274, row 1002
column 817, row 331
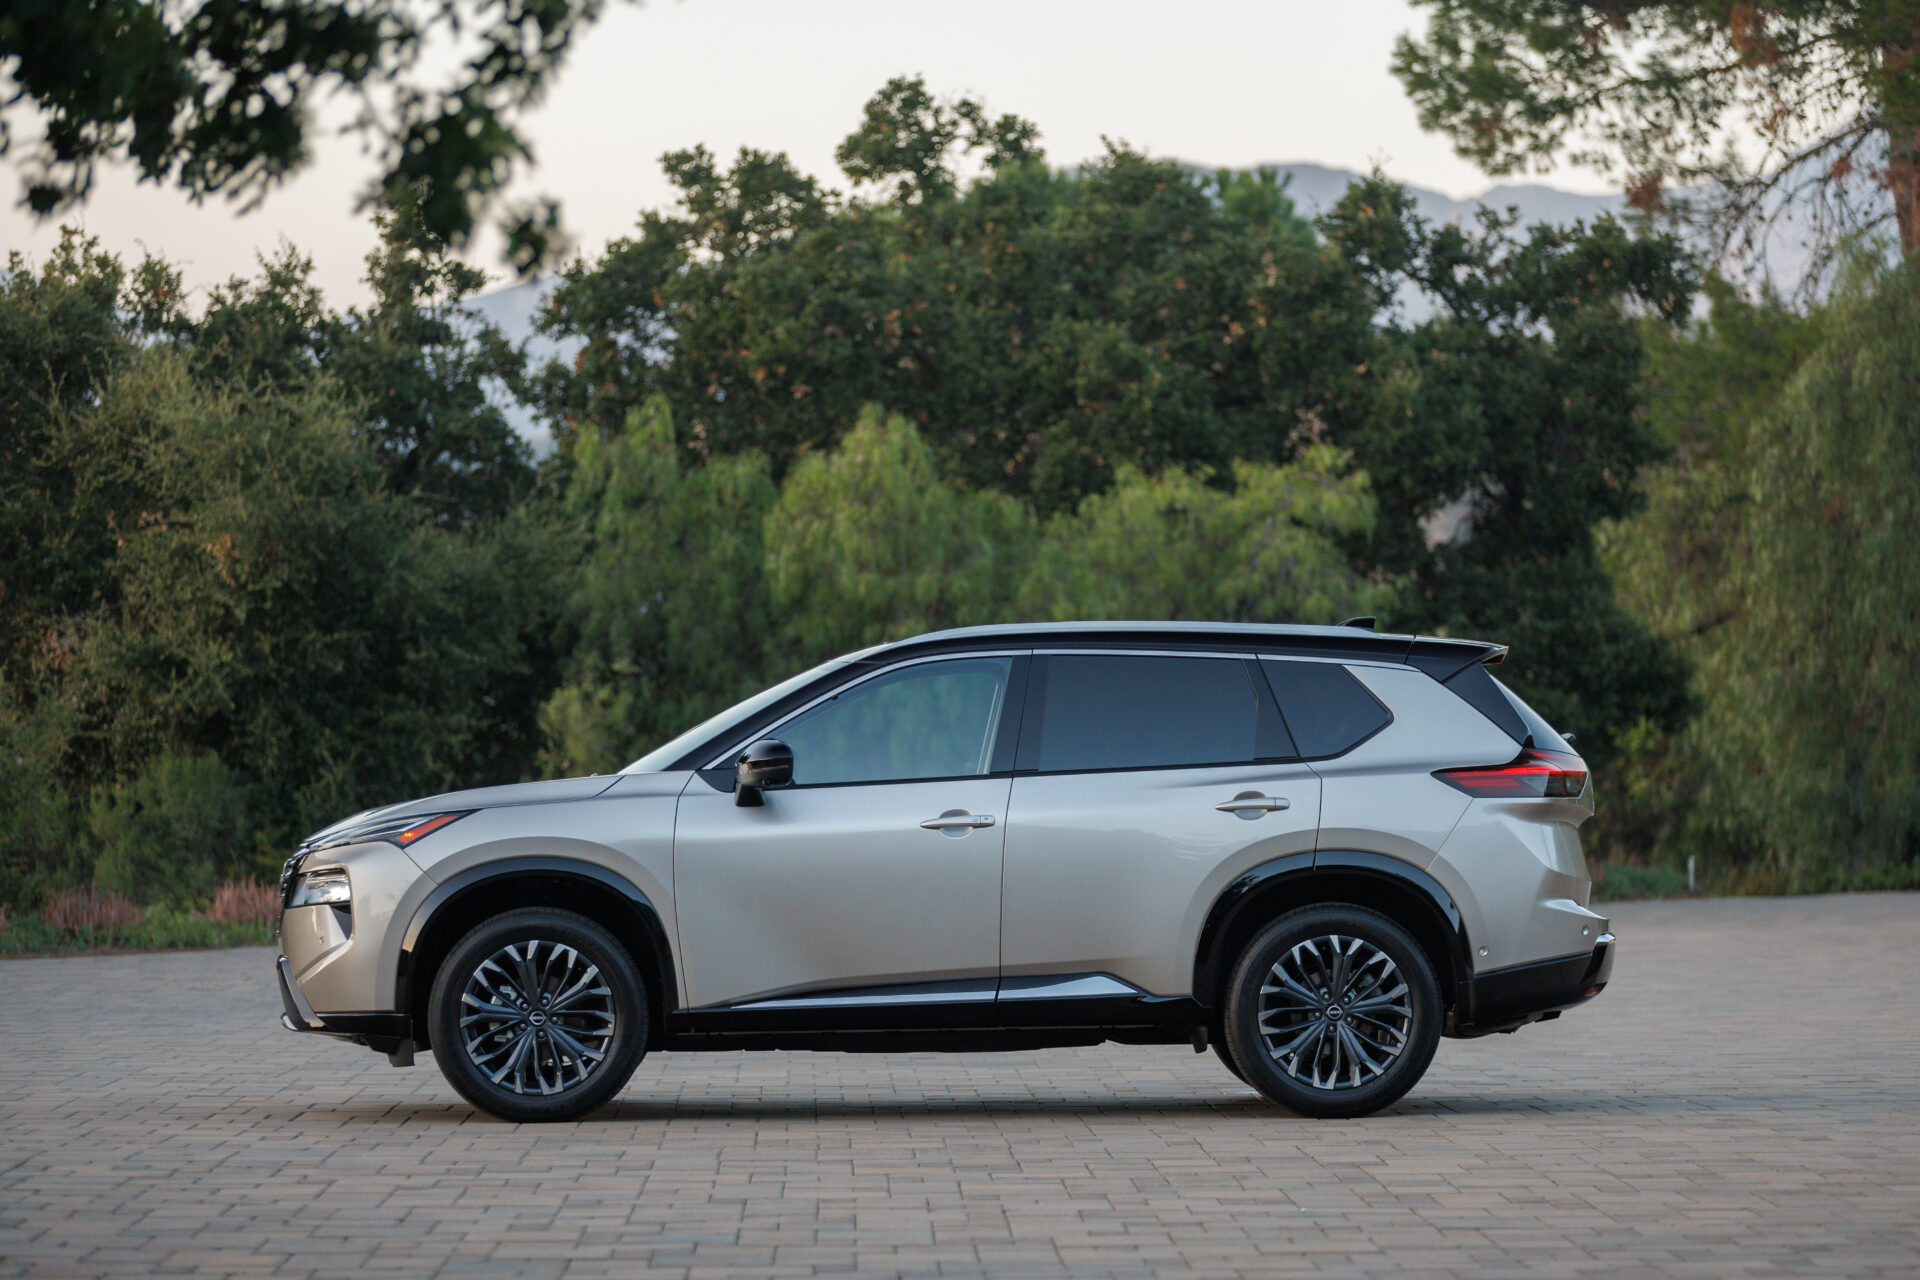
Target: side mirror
column 767, row 763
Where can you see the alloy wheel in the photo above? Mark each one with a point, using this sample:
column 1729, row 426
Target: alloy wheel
column 537, row 1017
column 1335, row 1012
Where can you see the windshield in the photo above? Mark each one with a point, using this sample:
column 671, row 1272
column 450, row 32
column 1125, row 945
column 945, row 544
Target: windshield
column 662, row 756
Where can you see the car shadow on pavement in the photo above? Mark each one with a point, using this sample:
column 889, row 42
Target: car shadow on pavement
column 1230, row 1104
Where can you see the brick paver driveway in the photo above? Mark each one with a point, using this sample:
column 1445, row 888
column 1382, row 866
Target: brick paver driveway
column 1744, row 1101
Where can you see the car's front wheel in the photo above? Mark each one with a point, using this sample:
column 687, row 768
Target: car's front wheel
column 538, row 1014
column 1333, row 1011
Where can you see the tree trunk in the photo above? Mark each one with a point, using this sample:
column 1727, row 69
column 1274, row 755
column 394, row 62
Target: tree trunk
column 1903, row 178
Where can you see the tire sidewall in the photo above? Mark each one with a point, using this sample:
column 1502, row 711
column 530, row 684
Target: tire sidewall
column 1256, row 1065
column 546, row 924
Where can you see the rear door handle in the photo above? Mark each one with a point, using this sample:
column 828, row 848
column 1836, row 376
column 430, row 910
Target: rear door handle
column 958, row 818
column 1253, row 804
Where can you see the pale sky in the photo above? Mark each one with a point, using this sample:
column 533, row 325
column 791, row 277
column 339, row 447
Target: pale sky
column 1219, row 82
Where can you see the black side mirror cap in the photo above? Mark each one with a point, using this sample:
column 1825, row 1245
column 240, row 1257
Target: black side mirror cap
column 767, row 763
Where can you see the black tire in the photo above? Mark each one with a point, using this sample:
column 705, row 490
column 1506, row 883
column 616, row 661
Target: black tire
column 1226, row 1059
column 1318, row 1056
column 539, row 1061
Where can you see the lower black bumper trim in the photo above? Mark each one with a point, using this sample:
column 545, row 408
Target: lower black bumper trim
column 1505, row 999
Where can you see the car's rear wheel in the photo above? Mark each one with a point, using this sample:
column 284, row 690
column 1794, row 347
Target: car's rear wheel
column 538, row 1014
column 1333, row 1011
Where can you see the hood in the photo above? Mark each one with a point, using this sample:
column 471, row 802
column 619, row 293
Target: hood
column 513, row 793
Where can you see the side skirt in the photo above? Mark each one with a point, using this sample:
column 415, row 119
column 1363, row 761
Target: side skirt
column 1017, row 1013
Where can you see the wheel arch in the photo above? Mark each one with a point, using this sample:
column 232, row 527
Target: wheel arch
column 479, row 893
column 1398, row 890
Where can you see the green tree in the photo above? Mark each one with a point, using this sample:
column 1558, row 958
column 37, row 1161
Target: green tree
column 1498, row 432
column 268, row 601
column 1272, row 549
column 431, row 373
column 230, row 605
column 1653, row 90
column 1043, row 332
column 668, row 617
column 1038, row 329
column 867, row 544
column 218, row 97
column 1829, row 690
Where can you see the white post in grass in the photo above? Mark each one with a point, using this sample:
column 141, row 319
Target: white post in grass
column 1689, row 873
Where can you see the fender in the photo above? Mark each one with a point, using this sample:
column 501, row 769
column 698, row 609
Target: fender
column 1298, row 875
column 553, row 870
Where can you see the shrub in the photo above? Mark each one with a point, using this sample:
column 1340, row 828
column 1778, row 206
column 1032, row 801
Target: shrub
column 173, row 833
column 83, row 912
column 245, row 902
column 1618, row 882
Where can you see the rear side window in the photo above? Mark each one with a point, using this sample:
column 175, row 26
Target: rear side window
column 1121, row 711
column 1544, row 735
column 1328, row 711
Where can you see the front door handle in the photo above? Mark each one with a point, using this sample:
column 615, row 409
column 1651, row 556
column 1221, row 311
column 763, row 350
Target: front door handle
column 1251, row 804
column 957, row 821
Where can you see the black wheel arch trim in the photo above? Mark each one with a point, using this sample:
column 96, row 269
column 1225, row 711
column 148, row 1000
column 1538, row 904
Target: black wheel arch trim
column 1253, row 889
column 455, row 887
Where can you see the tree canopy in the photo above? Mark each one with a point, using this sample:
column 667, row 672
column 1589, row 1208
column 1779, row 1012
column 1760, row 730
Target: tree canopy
column 219, row 97
column 1047, row 332
column 1730, row 112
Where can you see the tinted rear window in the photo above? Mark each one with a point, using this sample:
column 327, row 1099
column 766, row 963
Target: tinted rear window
column 1120, row 711
column 1328, row 711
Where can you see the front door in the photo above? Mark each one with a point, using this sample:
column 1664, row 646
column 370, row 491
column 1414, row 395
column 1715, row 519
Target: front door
column 838, row 883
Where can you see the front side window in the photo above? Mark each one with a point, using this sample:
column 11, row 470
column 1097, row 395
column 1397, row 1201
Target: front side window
column 930, row 720
column 1125, row 711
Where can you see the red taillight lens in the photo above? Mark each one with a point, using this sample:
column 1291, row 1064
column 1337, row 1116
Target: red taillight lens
column 1533, row 773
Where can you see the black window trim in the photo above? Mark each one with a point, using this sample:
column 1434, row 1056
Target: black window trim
column 1036, row 681
column 1358, row 649
column 1343, row 663
column 1006, row 734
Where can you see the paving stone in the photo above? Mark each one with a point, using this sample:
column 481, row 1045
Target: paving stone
column 1744, row 1101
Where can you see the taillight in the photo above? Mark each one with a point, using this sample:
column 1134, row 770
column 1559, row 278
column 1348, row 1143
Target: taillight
column 1532, row 773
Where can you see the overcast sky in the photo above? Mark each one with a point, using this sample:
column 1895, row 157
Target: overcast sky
column 1221, row 82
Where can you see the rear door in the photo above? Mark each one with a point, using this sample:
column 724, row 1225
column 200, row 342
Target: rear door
column 1117, row 838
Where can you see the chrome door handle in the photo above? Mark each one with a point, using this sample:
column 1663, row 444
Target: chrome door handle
column 958, row 818
column 1249, row 802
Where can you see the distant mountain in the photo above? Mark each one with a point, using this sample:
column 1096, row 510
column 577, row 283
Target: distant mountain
column 1313, row 187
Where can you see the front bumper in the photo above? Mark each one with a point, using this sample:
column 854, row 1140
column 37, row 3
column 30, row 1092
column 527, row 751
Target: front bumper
column 1508, row 999
column 388, row 1033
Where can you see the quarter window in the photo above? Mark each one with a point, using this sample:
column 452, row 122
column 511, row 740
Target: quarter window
column 931, row 720
column 1123, row 711
column 1327, row 710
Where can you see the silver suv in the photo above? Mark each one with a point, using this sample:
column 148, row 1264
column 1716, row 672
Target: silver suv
column 1315, row 849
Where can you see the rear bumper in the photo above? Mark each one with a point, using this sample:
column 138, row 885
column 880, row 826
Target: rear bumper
column 1507, row 999
column 387, row 1033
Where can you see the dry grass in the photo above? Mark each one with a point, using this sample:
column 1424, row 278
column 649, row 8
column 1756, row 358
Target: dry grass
column 245, row 902
column 86, row 911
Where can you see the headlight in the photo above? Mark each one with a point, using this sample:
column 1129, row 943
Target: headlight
column 321, row 889
column 400, row 831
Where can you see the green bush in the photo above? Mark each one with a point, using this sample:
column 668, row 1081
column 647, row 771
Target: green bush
column 1622, row 883
column 173, row 833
